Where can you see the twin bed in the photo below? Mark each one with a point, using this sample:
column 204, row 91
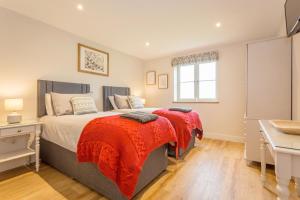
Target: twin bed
column 107, row 107
column 61, row 135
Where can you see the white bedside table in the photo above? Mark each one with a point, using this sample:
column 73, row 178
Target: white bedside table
column 31, row 128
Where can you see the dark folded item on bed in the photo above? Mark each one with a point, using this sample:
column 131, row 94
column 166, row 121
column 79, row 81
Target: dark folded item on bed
column 184, row 110
column 141, row 117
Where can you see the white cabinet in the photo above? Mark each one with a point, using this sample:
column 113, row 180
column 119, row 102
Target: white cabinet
column 269, row 79
column 252, row 146
column 268, row 88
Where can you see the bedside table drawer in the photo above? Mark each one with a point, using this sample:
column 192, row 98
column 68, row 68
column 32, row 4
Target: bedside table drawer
column 16, row 131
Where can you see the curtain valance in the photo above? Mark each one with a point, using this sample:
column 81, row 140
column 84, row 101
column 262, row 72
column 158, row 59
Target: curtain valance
column 196, row 58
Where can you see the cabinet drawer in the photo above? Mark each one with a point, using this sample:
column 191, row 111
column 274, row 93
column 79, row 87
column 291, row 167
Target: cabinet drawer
column 15, row 131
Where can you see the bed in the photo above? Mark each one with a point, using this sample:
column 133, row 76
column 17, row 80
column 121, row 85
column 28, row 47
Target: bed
column 111, row 91
column 58, row 145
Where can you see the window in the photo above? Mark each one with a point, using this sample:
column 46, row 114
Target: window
column 196, row 82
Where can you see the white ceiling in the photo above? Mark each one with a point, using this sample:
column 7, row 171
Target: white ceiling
column 169, row 25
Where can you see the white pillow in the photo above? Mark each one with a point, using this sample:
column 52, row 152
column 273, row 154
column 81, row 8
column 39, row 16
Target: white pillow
column 135, row 102
column 112, row 102
column 62, row 103
column 83, row 105
column 48, row 103
column 122, row 102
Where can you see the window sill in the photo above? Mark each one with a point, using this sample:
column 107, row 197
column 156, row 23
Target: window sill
column 199, row 101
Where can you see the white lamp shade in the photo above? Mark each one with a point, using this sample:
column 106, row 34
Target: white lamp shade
column 143, row 101
column 13, row 104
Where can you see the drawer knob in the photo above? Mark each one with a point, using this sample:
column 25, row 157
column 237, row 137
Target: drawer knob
column 19, row 131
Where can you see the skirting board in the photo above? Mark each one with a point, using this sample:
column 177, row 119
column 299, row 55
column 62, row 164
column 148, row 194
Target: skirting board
column 220, row 136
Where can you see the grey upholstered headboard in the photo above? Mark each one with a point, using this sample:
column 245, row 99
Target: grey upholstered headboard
column 45, row 86
column 111, row 91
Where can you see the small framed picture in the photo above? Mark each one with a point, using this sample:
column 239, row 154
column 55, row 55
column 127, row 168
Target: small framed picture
column 93, row 61
column 163, row 81
column 151, row 78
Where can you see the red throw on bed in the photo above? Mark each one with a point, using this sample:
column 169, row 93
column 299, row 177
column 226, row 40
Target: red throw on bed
column 184, row 124
column 120, row 147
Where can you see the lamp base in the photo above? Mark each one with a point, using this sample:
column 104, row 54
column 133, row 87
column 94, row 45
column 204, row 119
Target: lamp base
column 14, row 118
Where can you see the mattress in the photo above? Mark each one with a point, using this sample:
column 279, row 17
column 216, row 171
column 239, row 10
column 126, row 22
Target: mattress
column 65, row 130
column 147, row 110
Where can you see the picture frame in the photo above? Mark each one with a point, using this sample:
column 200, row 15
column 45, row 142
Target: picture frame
column 92, row 60
column 151, row 78
column 163, row 81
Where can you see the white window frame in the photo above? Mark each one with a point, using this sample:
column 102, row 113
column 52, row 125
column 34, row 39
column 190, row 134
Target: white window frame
column 176, row 92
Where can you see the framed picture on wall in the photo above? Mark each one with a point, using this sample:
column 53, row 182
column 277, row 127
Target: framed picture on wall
column 93, row 61
column 163, row 81
column 151, row 78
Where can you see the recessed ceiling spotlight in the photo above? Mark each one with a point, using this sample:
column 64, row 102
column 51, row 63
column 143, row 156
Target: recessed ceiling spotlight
column 79, row 7
column 147, row 44
column 218, row 24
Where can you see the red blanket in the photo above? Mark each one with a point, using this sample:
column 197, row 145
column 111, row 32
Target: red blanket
column 120, row 146
column 184, row 124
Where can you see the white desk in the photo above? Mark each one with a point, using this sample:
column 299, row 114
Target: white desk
column 285, row 149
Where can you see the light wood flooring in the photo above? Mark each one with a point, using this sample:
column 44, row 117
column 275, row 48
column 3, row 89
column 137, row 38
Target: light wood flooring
column 214, row 170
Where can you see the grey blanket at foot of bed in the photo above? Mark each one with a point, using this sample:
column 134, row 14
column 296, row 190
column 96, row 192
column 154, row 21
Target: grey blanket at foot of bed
column 141, row 117
column 181, row 109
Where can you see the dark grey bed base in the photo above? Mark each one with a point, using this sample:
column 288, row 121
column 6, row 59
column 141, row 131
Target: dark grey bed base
column 182, row 153
column 111, row 91
column 89, row 175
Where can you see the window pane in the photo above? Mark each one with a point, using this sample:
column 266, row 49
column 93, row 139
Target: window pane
column 207, row 71
column 187, row 90
column 175, row 83
column 187, row 73
column 207, row 89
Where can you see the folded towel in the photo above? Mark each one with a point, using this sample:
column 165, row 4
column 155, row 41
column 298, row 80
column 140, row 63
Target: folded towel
column 184, row 110
column 141, row 117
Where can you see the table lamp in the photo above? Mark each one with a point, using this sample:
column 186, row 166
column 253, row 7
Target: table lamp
column 13, row 105
column 143, row 101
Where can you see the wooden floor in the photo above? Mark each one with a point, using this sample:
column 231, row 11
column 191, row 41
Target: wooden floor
column 214, row 170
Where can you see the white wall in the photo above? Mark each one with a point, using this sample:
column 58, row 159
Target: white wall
column 282, row 28
column 220, row 120
column 296, row 77
column 31, row 50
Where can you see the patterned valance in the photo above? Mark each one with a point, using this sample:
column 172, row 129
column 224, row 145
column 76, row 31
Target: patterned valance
column 196, row 58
